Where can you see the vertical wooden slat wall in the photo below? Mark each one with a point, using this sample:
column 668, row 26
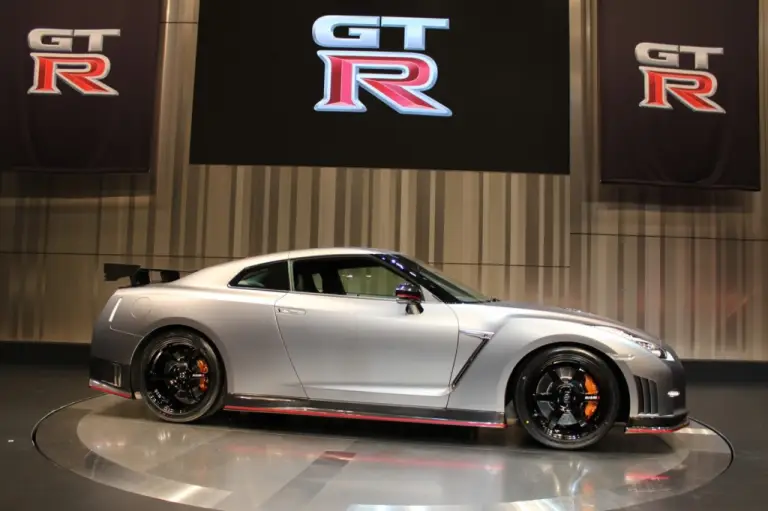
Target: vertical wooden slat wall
column 687, row 266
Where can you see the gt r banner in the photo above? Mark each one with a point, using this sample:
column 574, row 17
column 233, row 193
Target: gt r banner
column 480, row 85
column 679, row 96
column 78, row 88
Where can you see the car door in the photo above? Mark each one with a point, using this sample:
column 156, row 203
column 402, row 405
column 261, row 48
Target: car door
column 350, row 340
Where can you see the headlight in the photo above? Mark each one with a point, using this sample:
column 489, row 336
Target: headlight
column 648, row 345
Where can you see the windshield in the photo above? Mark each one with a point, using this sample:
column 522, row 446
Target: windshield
column 430, row 277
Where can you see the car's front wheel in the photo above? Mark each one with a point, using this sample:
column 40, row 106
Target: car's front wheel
column 566, row 398
column 181, row 377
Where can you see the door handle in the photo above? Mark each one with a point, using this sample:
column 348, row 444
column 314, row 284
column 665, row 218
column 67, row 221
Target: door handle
column 291, row 311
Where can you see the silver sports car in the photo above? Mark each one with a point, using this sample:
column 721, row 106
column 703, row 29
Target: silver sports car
column 372, row 334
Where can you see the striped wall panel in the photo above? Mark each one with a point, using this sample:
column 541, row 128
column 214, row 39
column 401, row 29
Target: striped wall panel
column 685, row 266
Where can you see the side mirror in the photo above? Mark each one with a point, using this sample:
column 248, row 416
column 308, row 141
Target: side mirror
column 410, row 295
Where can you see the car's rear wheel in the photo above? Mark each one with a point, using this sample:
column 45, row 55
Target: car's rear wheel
column 567, row 398
column 182, row 379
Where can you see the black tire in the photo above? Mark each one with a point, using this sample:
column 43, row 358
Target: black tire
column 554, row 388
column 175, row 385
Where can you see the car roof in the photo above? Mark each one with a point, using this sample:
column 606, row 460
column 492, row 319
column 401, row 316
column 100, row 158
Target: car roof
column 222, row 273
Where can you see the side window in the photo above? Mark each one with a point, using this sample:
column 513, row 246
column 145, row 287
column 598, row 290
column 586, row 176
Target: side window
column 270, row 277
column 373, row 280
column 353, row 276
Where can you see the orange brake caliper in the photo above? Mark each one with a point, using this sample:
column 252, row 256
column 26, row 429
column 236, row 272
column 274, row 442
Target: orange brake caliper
column 592, row 390
column 203, row 368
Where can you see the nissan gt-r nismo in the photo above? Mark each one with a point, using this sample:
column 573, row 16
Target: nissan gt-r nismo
column 372, row 334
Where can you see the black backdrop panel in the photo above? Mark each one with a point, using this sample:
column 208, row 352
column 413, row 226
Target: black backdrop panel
column 679, row 92
column 500, row 100
column 79, row 81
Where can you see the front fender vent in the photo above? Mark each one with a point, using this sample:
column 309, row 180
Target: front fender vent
column 647, row 396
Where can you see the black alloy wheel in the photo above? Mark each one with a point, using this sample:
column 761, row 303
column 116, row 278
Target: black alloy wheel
column 567, row 398
column 181, row 377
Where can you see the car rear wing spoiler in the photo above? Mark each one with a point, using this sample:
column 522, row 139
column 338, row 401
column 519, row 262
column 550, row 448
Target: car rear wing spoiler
column 138, row 275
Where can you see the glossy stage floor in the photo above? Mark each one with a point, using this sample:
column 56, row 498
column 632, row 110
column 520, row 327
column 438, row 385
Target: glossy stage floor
column 119, row 457
column 242, row 462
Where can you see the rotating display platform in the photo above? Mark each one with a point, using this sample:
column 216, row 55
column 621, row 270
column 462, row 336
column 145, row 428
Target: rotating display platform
column 269, row 462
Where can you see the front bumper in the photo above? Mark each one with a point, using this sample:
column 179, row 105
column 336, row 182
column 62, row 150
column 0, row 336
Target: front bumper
column 658, row 423
column 658, row 396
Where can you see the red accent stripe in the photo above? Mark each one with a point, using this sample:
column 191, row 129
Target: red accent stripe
column 343, row 415
column 117, row 393
column 655, row 431
column 648, row 431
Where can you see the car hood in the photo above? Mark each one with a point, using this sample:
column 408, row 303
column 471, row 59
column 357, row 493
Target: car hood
column 566, row 314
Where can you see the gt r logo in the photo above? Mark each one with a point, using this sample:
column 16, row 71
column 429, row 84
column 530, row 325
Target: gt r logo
column 664, row 77
column 405, row 77
column 56, row 63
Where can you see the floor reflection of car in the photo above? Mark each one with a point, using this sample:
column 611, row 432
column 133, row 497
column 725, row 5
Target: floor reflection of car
column 372, row 334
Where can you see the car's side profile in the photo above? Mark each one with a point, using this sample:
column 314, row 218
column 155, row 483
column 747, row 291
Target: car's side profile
column 373, row 334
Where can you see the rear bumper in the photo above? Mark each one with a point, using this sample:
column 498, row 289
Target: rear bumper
column 111, row 356
column 109, row 389
column 110, row 378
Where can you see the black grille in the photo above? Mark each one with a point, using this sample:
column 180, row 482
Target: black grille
column 647, row 396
